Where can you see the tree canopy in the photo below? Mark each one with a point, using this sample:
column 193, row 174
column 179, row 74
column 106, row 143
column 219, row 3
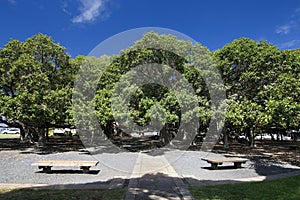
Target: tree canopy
column 36, row 82
column 147, row 78
column 261, row 85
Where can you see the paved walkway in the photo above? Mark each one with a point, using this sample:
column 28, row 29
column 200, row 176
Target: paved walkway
column 155, row 178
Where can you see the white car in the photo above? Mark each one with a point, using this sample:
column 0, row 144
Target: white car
column 63, row 131
column 11, row 131
column 146, row 133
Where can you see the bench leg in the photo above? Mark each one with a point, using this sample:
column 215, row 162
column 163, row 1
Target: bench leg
column 46, row 169
column 238, row 165
column 214, row 165
column 85, row 170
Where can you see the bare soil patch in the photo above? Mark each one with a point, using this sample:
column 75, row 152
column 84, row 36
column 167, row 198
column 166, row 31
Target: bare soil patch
column 280, row 151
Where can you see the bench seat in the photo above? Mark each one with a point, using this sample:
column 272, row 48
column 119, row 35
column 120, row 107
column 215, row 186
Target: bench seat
column 219, row 161
column 47, row 164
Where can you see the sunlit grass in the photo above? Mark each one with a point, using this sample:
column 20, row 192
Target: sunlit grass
column 287, row 188
column 7, row 136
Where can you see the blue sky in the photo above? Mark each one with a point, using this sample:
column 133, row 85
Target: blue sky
column 79, row 25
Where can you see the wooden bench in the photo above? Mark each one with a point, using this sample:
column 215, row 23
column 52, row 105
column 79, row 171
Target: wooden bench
column 219, row 161
column 47, row 164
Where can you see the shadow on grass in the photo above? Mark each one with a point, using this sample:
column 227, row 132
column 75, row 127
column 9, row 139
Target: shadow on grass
column 58, row 194
column 161, row 186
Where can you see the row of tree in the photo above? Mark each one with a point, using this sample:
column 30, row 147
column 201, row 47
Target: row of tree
column 261, row 84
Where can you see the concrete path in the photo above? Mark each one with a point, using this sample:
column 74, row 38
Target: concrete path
column 154, row 178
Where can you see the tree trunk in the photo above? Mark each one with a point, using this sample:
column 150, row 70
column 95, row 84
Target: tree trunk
column 278, row 134
column 41, row 141
column 272, row 136
column 167, row 134
column 225, row 140
column 21, row 126
column 294, row 135
column 109, row 129
column 47, row 134
column 23, row 131
column 251, row 137
column 92, row 136
column 281, row 135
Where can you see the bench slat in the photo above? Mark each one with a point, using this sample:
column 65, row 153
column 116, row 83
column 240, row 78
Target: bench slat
column 221, row 160
column 65, row 163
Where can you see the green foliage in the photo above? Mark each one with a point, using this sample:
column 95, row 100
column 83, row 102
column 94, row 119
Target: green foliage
column 85, row 106
column 36, row 81
column 145, row 101
column 262, row 85
column 247, row 65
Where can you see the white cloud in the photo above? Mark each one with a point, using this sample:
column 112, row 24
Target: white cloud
column 64, row 7
column 294, row 23
column 289, row 44
column 89, row 11
column 13, row 2
column 284, row 29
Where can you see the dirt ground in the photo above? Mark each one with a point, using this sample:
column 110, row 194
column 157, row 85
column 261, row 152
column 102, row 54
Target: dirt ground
column 279, row 151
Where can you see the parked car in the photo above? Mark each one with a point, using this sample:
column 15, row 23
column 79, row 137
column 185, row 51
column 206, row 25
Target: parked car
column 58, row 131
column 10, row 131
column 63, row 131
column 151, row 134
column 146, row 133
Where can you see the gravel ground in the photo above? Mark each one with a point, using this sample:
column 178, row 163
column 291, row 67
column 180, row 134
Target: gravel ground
column 16, row 167
column 190, row 166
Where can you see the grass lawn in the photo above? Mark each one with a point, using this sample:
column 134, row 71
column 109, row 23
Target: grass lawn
column 6, row 136
column 287, row 188
column 30, row 194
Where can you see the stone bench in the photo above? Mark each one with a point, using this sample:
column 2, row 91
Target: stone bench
column 219, row 161
column 47, row 164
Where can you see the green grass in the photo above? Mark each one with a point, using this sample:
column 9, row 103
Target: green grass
column 287, row 188
column 6, row 136
column 45, row 194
